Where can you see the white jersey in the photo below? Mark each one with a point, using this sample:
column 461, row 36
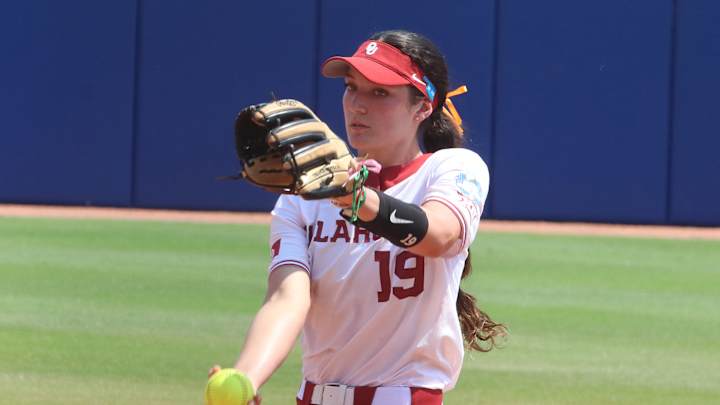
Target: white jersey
column 381, row 315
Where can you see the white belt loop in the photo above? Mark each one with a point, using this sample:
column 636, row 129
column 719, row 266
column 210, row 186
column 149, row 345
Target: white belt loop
column 316, row 398
column 350, row 396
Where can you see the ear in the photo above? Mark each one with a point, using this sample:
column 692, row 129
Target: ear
column 424, row 111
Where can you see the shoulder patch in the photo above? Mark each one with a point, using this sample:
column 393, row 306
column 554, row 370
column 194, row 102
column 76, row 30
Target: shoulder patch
column 469, row 186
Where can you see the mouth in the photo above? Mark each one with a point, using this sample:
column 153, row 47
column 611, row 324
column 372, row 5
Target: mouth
column 358, row 125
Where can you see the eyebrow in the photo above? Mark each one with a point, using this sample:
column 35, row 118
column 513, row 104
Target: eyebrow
column 376, row 86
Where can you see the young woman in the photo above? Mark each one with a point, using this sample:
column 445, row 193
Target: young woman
column 379, row 303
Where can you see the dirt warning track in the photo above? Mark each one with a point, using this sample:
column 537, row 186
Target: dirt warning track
column 225, row 217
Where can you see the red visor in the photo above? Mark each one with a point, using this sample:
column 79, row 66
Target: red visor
column 382, row 64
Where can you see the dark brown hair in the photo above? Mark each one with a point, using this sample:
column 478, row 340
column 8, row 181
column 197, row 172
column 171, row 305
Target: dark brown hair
column 440, row 132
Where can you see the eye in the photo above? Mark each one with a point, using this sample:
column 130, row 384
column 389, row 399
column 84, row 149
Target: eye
column 380, row 92
column 350, row 87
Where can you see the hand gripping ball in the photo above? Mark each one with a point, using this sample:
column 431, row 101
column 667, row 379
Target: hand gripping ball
column 228, row 387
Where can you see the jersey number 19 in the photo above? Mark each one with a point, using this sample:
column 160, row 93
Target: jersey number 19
column 404, row 270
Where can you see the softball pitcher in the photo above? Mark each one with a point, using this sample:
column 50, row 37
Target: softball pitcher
column 367, row 262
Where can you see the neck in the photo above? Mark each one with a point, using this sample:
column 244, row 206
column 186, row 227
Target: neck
column 390, row 157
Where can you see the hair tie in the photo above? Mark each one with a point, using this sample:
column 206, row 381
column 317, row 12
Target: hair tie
column 450, row 110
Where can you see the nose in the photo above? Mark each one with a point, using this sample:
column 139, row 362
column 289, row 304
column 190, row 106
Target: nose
column 356, row 104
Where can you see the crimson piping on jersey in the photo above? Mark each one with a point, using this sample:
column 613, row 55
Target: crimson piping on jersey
column 392, row 175
column 384, row 64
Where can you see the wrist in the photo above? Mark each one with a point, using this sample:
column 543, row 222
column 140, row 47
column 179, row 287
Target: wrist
column 342, row 201
column 369, row 209
column 251, row 377
column 403, row 224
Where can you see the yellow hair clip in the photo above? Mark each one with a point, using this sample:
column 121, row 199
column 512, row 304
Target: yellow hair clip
column 449, row 107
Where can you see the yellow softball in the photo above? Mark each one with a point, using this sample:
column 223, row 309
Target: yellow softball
column 228, row 387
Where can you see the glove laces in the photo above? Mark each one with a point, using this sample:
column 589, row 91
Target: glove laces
column 358, row 192
column 359, row 177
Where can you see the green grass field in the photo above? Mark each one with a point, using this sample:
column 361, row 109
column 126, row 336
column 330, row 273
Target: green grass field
column 115, row 312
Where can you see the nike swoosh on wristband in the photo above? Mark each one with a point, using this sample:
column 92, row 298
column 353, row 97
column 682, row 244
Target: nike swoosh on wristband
column 396, row 220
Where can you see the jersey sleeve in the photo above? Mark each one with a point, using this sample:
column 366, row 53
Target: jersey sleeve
column 288, row 235
column 460, row 181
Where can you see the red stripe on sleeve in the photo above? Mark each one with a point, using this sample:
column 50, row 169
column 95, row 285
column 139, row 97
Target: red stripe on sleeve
column 293, row 262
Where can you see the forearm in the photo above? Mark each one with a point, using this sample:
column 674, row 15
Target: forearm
column 273, row 333
column 442, row 231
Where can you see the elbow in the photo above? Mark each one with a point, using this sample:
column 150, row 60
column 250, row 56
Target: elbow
column 298, row 304
column 435, row 245
column 300, row 309
column 443, row 231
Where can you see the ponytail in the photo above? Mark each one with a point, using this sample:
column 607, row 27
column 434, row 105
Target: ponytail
column 439, row 131
column 479, row 331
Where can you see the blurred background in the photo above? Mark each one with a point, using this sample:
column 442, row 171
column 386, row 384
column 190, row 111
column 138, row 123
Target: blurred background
column 600, row 111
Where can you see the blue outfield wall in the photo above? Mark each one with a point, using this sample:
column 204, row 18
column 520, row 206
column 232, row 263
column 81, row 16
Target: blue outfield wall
column 582, row 110
column 593, row 111
column 695, row 194
column 199, row 63
column 66, row 93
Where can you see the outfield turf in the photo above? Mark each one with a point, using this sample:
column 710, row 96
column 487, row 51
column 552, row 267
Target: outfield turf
column 115, row 312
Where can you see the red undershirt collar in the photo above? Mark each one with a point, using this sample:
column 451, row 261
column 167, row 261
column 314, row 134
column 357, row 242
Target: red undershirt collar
column 392, row 175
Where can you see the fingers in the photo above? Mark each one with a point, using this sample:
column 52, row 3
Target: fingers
column 355, row 164
column 298, row 133
column 319, row 153
column 280, row 112
column 213, row 370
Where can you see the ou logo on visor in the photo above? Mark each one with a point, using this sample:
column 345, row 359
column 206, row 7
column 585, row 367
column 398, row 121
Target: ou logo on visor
column 371, row 48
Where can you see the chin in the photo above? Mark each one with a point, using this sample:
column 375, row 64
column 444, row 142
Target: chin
column 358, row 142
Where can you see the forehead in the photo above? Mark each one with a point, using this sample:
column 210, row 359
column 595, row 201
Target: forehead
column 358, row 78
